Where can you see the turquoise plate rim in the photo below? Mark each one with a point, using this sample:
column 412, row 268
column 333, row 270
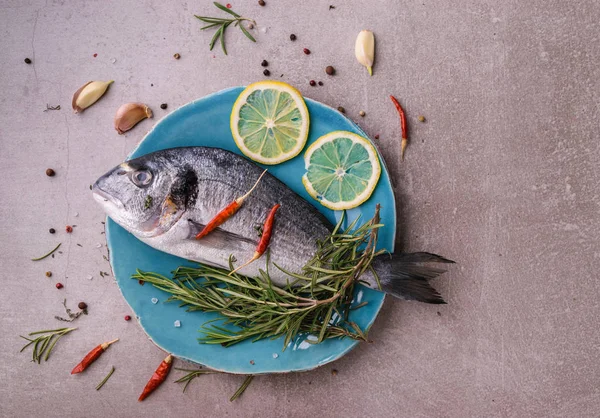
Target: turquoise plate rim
column 113, row 228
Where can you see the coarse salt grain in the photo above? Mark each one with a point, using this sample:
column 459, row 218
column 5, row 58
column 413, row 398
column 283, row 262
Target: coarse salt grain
column 275, row 355
column 154, row 300
column 177, row 323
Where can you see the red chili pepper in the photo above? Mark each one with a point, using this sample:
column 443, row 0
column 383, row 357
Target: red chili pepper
column 264, row 239
column 402, row 125
column 92, row 356
column 226, row 213
column 157, row 378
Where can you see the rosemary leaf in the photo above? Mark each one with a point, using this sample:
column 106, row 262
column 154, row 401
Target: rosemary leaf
column 47, row 254
column 242, row 388
column 112, row 370
column 245, row 31
column 225, row 9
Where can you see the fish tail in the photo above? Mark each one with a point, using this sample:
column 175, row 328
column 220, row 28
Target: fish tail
column 407, row 275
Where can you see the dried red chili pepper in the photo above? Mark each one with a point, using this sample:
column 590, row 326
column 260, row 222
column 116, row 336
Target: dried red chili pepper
column 265, row 238
column 92, row 356
column 402, row 126
column 157, row 378
column 228, row 212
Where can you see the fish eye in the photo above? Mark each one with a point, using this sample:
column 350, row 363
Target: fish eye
column 141, row 178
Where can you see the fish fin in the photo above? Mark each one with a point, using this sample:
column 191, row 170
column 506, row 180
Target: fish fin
column 218, row 237
column 407, row 275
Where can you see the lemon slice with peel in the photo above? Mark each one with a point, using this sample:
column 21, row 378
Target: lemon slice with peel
column 269, row 122
column 342, row 170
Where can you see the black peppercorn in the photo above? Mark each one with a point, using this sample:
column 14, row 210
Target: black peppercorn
column 320, row 83
column 163, row 106
column 264, row 63
column 292, row 37
column 267, row 72
column 27, row 61
column 52, row 230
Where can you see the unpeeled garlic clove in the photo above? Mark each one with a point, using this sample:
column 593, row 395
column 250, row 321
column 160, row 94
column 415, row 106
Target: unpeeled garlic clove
column 89, row 94
column 129, row 115
column 364, row 49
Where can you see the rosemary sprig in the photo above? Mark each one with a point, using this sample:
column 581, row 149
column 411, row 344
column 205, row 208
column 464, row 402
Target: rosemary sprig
column 112, row 370
column 44, row 343
column 316, row 302
column 223, row 24
column 192, row 374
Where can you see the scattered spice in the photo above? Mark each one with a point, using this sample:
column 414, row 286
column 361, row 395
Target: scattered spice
column 306, row 51
column 403, row 129
column 48, row 274
column 331, row 7
column 46, row 255
column 163, row 106
column 267, row 72
column 176, row 56
column 48, row 107
column 45, row 343
column 261, row 2
column 341, row 109
column 252, row 362
column 177, row 323
column 264, row 63
column 141, row 282
column 59, row 285
column 264, row 239
column 222, row 25
column 52, row 230
column 112, row 370
column 421, row 118
column 92, row 356
column 330, row 70
column 377, row 136
column 334, row 372
column 127, row 318
column 72, row 316
column 148, row 202
column 250, row 26
column 69, row 229
column 228, row 5
column 312, row 83
column 158, row 377
column 82, row 305
column 320, row 83
column 95, row 55
column 27, row 61
column 50, row 172
column 129, row 115
column 88, row 94
column 228, row 212
column 362, row 113
column 292, row 37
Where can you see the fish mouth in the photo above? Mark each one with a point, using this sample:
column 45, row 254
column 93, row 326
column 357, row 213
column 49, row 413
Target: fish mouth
column 102, row 197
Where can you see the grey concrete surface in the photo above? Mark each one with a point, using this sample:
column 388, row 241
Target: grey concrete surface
column 503, row 177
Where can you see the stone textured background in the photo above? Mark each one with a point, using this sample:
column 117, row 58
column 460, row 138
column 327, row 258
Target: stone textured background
column 503, row 177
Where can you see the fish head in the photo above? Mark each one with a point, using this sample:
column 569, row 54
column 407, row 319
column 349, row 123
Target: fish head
column 147, row 195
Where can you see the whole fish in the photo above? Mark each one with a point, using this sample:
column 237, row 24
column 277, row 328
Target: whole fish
column 167, row 197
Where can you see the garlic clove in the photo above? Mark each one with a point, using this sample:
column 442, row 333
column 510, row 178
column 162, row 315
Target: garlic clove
column 129, row 115
column 88, row 94
column 364, row 49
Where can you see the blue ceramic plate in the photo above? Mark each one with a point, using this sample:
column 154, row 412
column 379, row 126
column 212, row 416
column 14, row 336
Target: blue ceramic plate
column 205, row 122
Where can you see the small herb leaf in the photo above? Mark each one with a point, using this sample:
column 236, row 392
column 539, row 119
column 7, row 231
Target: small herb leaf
column 225, row 9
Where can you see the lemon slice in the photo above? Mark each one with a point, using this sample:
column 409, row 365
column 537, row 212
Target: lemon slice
column 342, row 170
column 269, row 122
